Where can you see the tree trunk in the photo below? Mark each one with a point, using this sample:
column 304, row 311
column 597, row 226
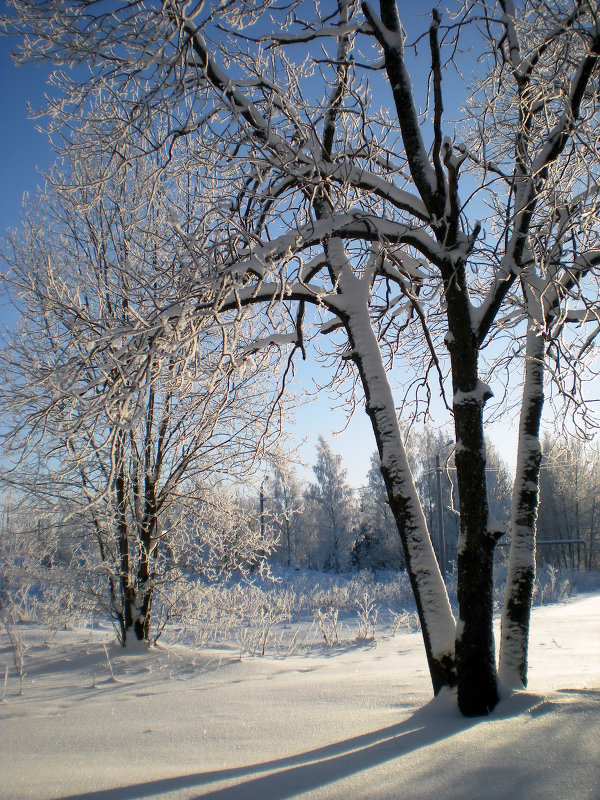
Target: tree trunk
column 144, row 617
column 437, row 622
column 475, row 650
column 128, row 594
column 145, row 579
column 521, row 566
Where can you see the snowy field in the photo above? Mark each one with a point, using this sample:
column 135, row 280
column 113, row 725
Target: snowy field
column 354, row 721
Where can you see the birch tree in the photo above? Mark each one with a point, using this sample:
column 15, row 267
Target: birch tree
column 416, row 239
column 542, row 120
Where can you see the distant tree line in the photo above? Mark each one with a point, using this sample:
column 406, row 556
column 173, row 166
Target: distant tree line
column 327, row 525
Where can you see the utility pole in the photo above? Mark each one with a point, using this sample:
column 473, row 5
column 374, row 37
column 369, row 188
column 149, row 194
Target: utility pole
column 440, row 505
column 441, row 534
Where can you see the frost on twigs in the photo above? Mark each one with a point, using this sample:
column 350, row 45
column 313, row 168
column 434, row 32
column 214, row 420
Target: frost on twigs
column 121, row 447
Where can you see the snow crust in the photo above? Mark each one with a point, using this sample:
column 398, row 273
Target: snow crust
column 357, row 722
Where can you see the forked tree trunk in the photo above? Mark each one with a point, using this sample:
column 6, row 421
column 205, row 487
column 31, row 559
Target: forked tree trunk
column 437, row 622
column 475, row 652
column 521, row 565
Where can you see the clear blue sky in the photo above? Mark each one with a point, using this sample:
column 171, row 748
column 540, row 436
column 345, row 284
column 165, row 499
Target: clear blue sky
column 24, row 152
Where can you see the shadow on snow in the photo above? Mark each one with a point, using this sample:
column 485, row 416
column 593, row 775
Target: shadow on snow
column 316, row 768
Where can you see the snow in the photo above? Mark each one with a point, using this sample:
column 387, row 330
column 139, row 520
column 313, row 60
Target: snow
column 349, row 722
column 479, row 395
column 277, row 339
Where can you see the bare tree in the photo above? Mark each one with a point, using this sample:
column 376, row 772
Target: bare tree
column 115, row 435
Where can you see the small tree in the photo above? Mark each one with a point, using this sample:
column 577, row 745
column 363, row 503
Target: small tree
column 377, row 545
column 285, row 502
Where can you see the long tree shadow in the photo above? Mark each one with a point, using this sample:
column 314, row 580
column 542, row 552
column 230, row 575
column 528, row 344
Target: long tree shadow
column 312, row 769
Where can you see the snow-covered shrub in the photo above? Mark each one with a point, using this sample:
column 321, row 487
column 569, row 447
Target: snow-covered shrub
column 336, row 598
column 367, row 612
column 551, row 586
column 404, row 621
column 328, row 624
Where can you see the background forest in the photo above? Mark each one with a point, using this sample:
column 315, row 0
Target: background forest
column 246, row 560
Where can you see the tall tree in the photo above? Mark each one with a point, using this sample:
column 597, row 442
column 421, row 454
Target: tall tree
column 407, row 240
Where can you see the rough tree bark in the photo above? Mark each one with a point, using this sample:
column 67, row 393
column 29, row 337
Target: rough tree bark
column 475, row 651
column 437, row 622
column 521, row 566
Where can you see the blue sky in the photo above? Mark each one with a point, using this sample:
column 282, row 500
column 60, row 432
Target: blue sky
column 25, row 153
column 23, row 150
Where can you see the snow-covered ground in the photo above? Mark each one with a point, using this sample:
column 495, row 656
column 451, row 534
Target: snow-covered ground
column 356, row 721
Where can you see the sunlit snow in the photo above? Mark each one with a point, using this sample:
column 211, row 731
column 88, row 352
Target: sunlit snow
column 355, row 721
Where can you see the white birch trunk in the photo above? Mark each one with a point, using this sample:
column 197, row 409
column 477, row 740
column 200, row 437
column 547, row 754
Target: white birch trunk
column 521, row 567
column 437, row 621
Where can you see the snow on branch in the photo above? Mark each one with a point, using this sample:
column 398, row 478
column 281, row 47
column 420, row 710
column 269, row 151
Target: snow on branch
column 277, row 339
column 352, row 225
column 240, row 106
column 581, row 315
column 314, row 266
column 560, row 134
column 332, row 31
column 479, row 395
column 238, row 297
column 347, row 173
column 331, row 325
column 390, row 36
column 583, row 263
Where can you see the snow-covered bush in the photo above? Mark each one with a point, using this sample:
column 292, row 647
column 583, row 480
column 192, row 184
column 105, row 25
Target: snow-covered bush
column 328, row 624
